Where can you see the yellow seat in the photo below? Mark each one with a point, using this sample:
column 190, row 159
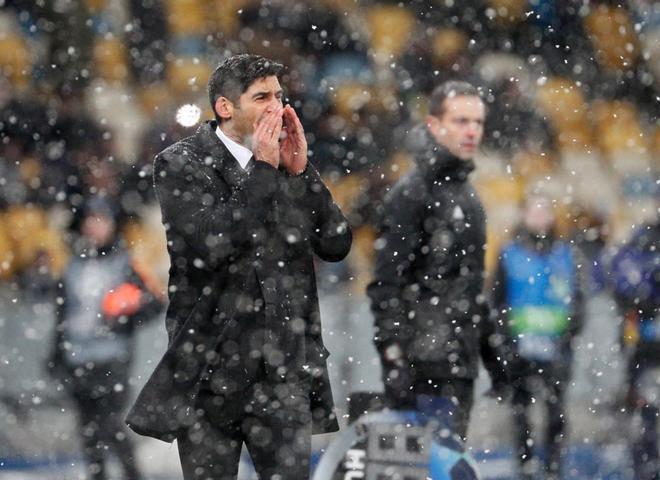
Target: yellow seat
column 448, row 45
column 186, row 17
column 110, row 61
column 153, row 98
column 15, row 62
column 498, row 190
column 562, row 100
column 397, row 165
column 612, row 34
column 95, row 6
column 344, row 189
column 7, row 256
column 29, row 233
column 340, row 6
column 350, row 97
column 564, row 104
column 655, row 142
column 224, row 17
column 188, row 75
column 618, row 127
column 390, row 27
column 508, row 12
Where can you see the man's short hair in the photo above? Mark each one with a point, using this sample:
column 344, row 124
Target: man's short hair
column 235, row 74
column 449, row 89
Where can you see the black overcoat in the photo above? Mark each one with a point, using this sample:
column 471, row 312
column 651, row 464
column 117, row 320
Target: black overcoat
column 228, row 231
column 427, row 294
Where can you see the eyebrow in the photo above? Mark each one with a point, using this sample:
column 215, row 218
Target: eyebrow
column 265, row 93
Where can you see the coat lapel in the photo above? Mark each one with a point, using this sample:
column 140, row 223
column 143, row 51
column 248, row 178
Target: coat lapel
column 222, row 159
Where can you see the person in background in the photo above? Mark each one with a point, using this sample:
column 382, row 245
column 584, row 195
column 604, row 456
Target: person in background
column 432, row 321
column 635, row 278
column 538, row 295
column 103, row 297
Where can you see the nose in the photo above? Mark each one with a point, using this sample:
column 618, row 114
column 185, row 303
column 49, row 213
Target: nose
column 473, row 130
column 274, row 103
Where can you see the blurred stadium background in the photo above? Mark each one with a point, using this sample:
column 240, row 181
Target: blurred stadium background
column 90, row 90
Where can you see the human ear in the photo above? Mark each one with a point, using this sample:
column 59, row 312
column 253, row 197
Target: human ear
column 224, row 108
column 434, row 126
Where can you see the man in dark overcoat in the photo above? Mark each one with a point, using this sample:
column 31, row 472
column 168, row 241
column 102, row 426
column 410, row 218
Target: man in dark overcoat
column 432, row 321
column 244, row 211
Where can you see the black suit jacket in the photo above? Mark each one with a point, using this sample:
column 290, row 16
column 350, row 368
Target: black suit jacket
column 224, row 228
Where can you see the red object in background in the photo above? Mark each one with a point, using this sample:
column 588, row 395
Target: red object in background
column 123, row 300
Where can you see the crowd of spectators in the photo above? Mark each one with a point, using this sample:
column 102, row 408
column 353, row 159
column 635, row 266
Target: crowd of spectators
column 90, row 91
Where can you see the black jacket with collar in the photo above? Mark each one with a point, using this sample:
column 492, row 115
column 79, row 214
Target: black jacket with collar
column 228, row 232
column 427, row 289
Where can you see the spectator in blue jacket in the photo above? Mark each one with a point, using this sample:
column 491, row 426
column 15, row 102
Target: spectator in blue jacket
column 537, row 293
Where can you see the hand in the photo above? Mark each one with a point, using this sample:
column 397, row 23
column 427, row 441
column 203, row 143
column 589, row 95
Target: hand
column 265, row 142
column 293, row 147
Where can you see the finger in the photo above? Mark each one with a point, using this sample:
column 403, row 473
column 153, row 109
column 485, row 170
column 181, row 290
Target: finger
column 266, row 124
column 277, row 131
column 296, row 120
column 263, row 118
column 289, row 115
column 274, row 125
column 296, row 126
column 260, row 126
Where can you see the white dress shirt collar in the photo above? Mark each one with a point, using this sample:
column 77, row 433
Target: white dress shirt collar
column 241, row 153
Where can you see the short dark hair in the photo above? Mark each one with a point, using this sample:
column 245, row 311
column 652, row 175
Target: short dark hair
column 450, row 89
column 235, row 74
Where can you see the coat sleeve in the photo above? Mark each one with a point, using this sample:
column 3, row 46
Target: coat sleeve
column 330, row 234
column 197, row 216
column 153, row 298
column 399, row 243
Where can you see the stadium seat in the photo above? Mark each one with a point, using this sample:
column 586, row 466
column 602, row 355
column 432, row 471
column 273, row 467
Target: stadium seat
column 497, row 190
column 7, row 256
column 153, row 98
column 350, row 97
column 30, row 234
column 15, row 61
column 224, row 16
column 110, row 60
column 397, row 165
column 188, row 75
column 612, row 34
column 618, row 128
column 186, row 17
column 448, row 44
column 564, row 104
column 655, row 152
column 95, row 6
column 390, row 27
column 529, row 165
column 508, row 12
